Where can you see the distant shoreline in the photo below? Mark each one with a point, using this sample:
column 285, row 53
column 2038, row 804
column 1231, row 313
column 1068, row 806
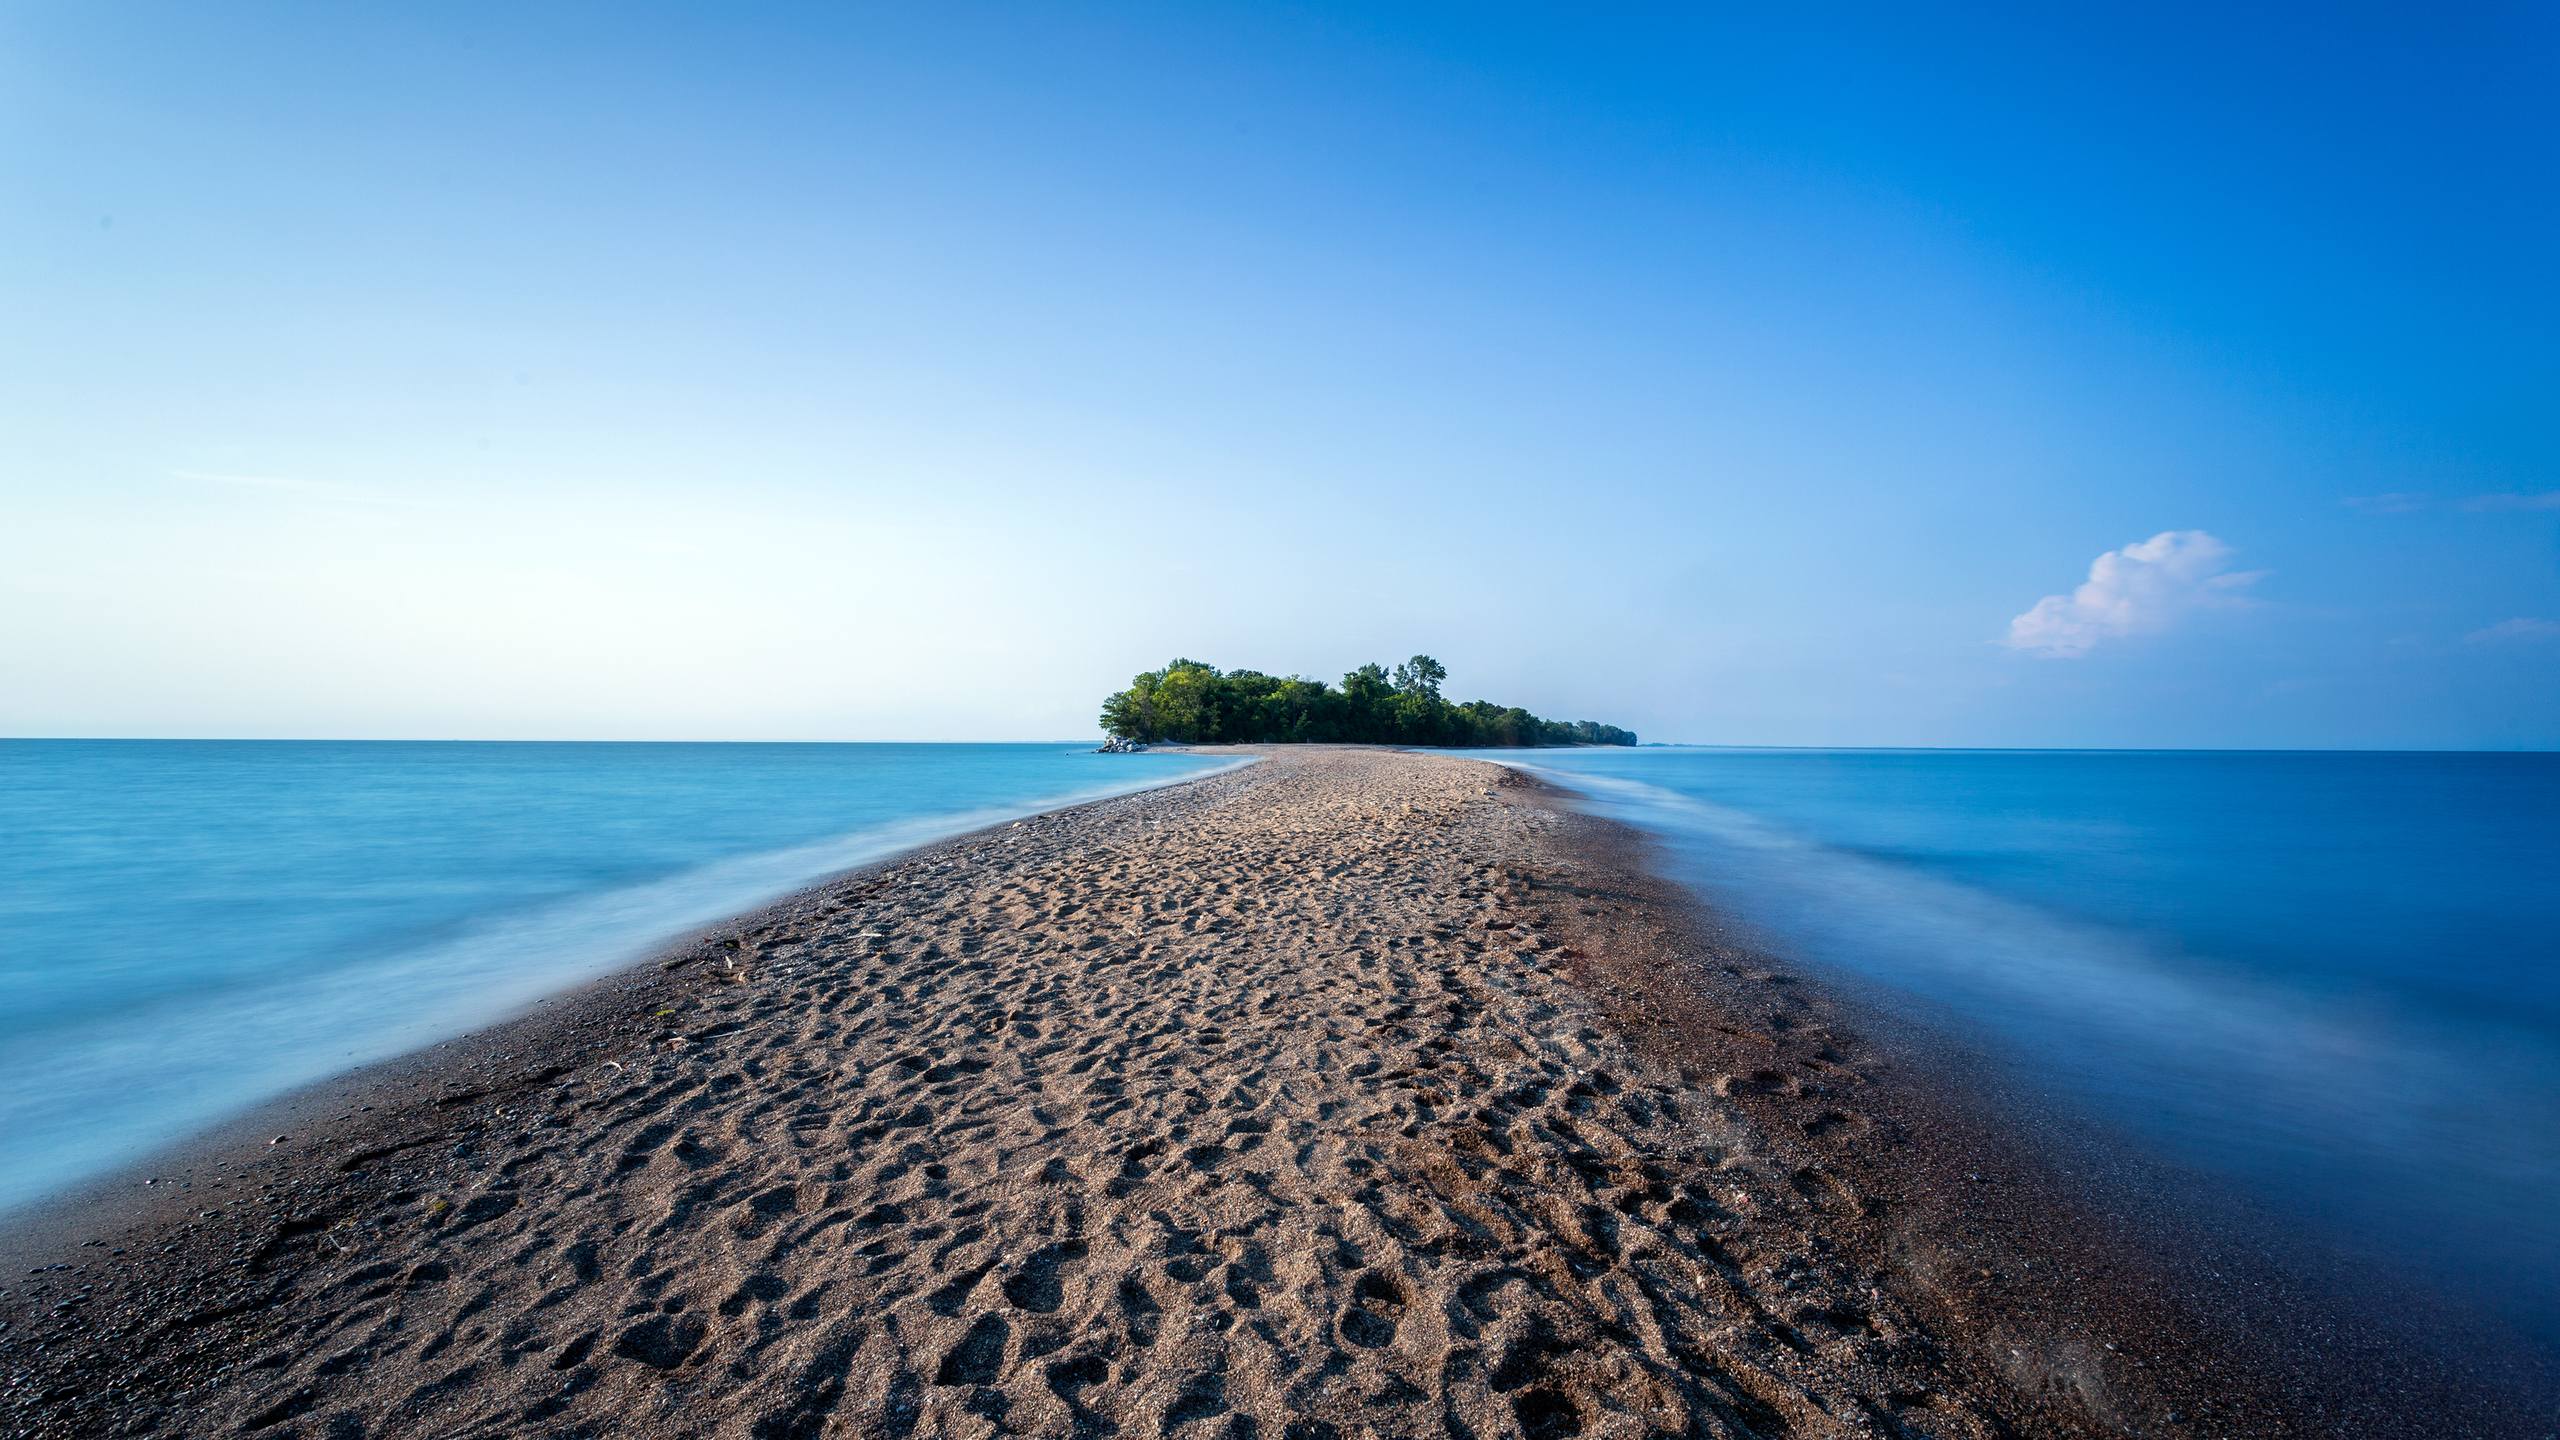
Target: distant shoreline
column 1264, row 1003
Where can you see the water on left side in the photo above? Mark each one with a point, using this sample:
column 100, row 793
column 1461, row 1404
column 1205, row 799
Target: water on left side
column 190, row 927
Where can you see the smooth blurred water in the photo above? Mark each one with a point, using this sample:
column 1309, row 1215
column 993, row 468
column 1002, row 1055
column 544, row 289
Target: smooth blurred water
column 2332, row 978
column 189, row 927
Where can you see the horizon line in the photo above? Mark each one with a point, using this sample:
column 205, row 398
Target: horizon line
column 1097, row 736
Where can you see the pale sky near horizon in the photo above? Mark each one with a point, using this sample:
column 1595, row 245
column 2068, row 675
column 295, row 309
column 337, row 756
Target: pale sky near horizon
column 2138, row 377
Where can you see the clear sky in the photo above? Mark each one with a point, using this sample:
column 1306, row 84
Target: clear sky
column 2151, row 376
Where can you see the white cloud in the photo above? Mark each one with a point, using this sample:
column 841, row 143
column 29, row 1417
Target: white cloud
column 2546, row 500
column 2144, row 587
column 2522, row 629
column 2409, row 502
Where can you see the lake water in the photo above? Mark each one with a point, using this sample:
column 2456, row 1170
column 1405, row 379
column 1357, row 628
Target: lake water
column 187, row 928
column 2331, row 979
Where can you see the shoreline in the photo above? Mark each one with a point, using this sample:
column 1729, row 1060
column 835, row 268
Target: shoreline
column 283, row 1109
column 1834, row 1237
column 115, row 1197
column 2059, row 1248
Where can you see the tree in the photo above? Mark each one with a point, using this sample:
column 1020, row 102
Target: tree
column 1186, row 701
column 1190, row 701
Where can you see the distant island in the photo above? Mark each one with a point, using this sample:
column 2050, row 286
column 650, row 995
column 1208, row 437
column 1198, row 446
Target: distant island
column 1198, row 704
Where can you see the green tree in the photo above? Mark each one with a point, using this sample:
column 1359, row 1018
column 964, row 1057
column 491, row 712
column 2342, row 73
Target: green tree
column 1193, row 702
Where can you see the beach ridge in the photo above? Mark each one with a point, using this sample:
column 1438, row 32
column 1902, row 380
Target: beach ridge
column 1350, row 1092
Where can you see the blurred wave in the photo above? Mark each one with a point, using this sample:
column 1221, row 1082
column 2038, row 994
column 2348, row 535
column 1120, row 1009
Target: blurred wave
column 188, row 928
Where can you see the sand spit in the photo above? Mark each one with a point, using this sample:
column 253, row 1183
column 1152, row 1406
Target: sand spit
column 1336, row 1096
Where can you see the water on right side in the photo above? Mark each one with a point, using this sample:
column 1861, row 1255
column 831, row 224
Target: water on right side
column 2331, row 979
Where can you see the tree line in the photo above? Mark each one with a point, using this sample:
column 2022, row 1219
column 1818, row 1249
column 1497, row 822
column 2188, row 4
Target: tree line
column 1193, row 703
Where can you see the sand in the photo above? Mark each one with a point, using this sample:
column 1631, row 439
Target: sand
column 1352, row 1093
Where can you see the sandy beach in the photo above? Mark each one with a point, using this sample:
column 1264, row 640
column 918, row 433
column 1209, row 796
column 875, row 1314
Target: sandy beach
column 1350, row 1093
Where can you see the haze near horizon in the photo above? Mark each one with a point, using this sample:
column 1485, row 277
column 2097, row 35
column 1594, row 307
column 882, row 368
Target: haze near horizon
column 2145, row 377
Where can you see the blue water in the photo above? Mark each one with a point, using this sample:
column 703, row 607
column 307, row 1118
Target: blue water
column 2330, row 981
column 189, row 927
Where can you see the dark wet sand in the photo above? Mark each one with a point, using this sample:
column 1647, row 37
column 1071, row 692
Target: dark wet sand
column 1353, row 1093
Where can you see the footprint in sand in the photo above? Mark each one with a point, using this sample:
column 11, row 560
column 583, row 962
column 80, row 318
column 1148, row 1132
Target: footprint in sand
column 1036, row 1286
column 1369, row 1321
column 979, row 1357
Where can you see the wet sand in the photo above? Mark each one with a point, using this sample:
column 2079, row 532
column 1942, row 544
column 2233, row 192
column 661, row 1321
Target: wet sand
column 1353, row 1093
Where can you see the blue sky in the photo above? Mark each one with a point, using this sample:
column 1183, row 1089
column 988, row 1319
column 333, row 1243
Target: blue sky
column 922, row 372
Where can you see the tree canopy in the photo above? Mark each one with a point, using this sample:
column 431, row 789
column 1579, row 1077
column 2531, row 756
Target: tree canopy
column 1188, row 701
